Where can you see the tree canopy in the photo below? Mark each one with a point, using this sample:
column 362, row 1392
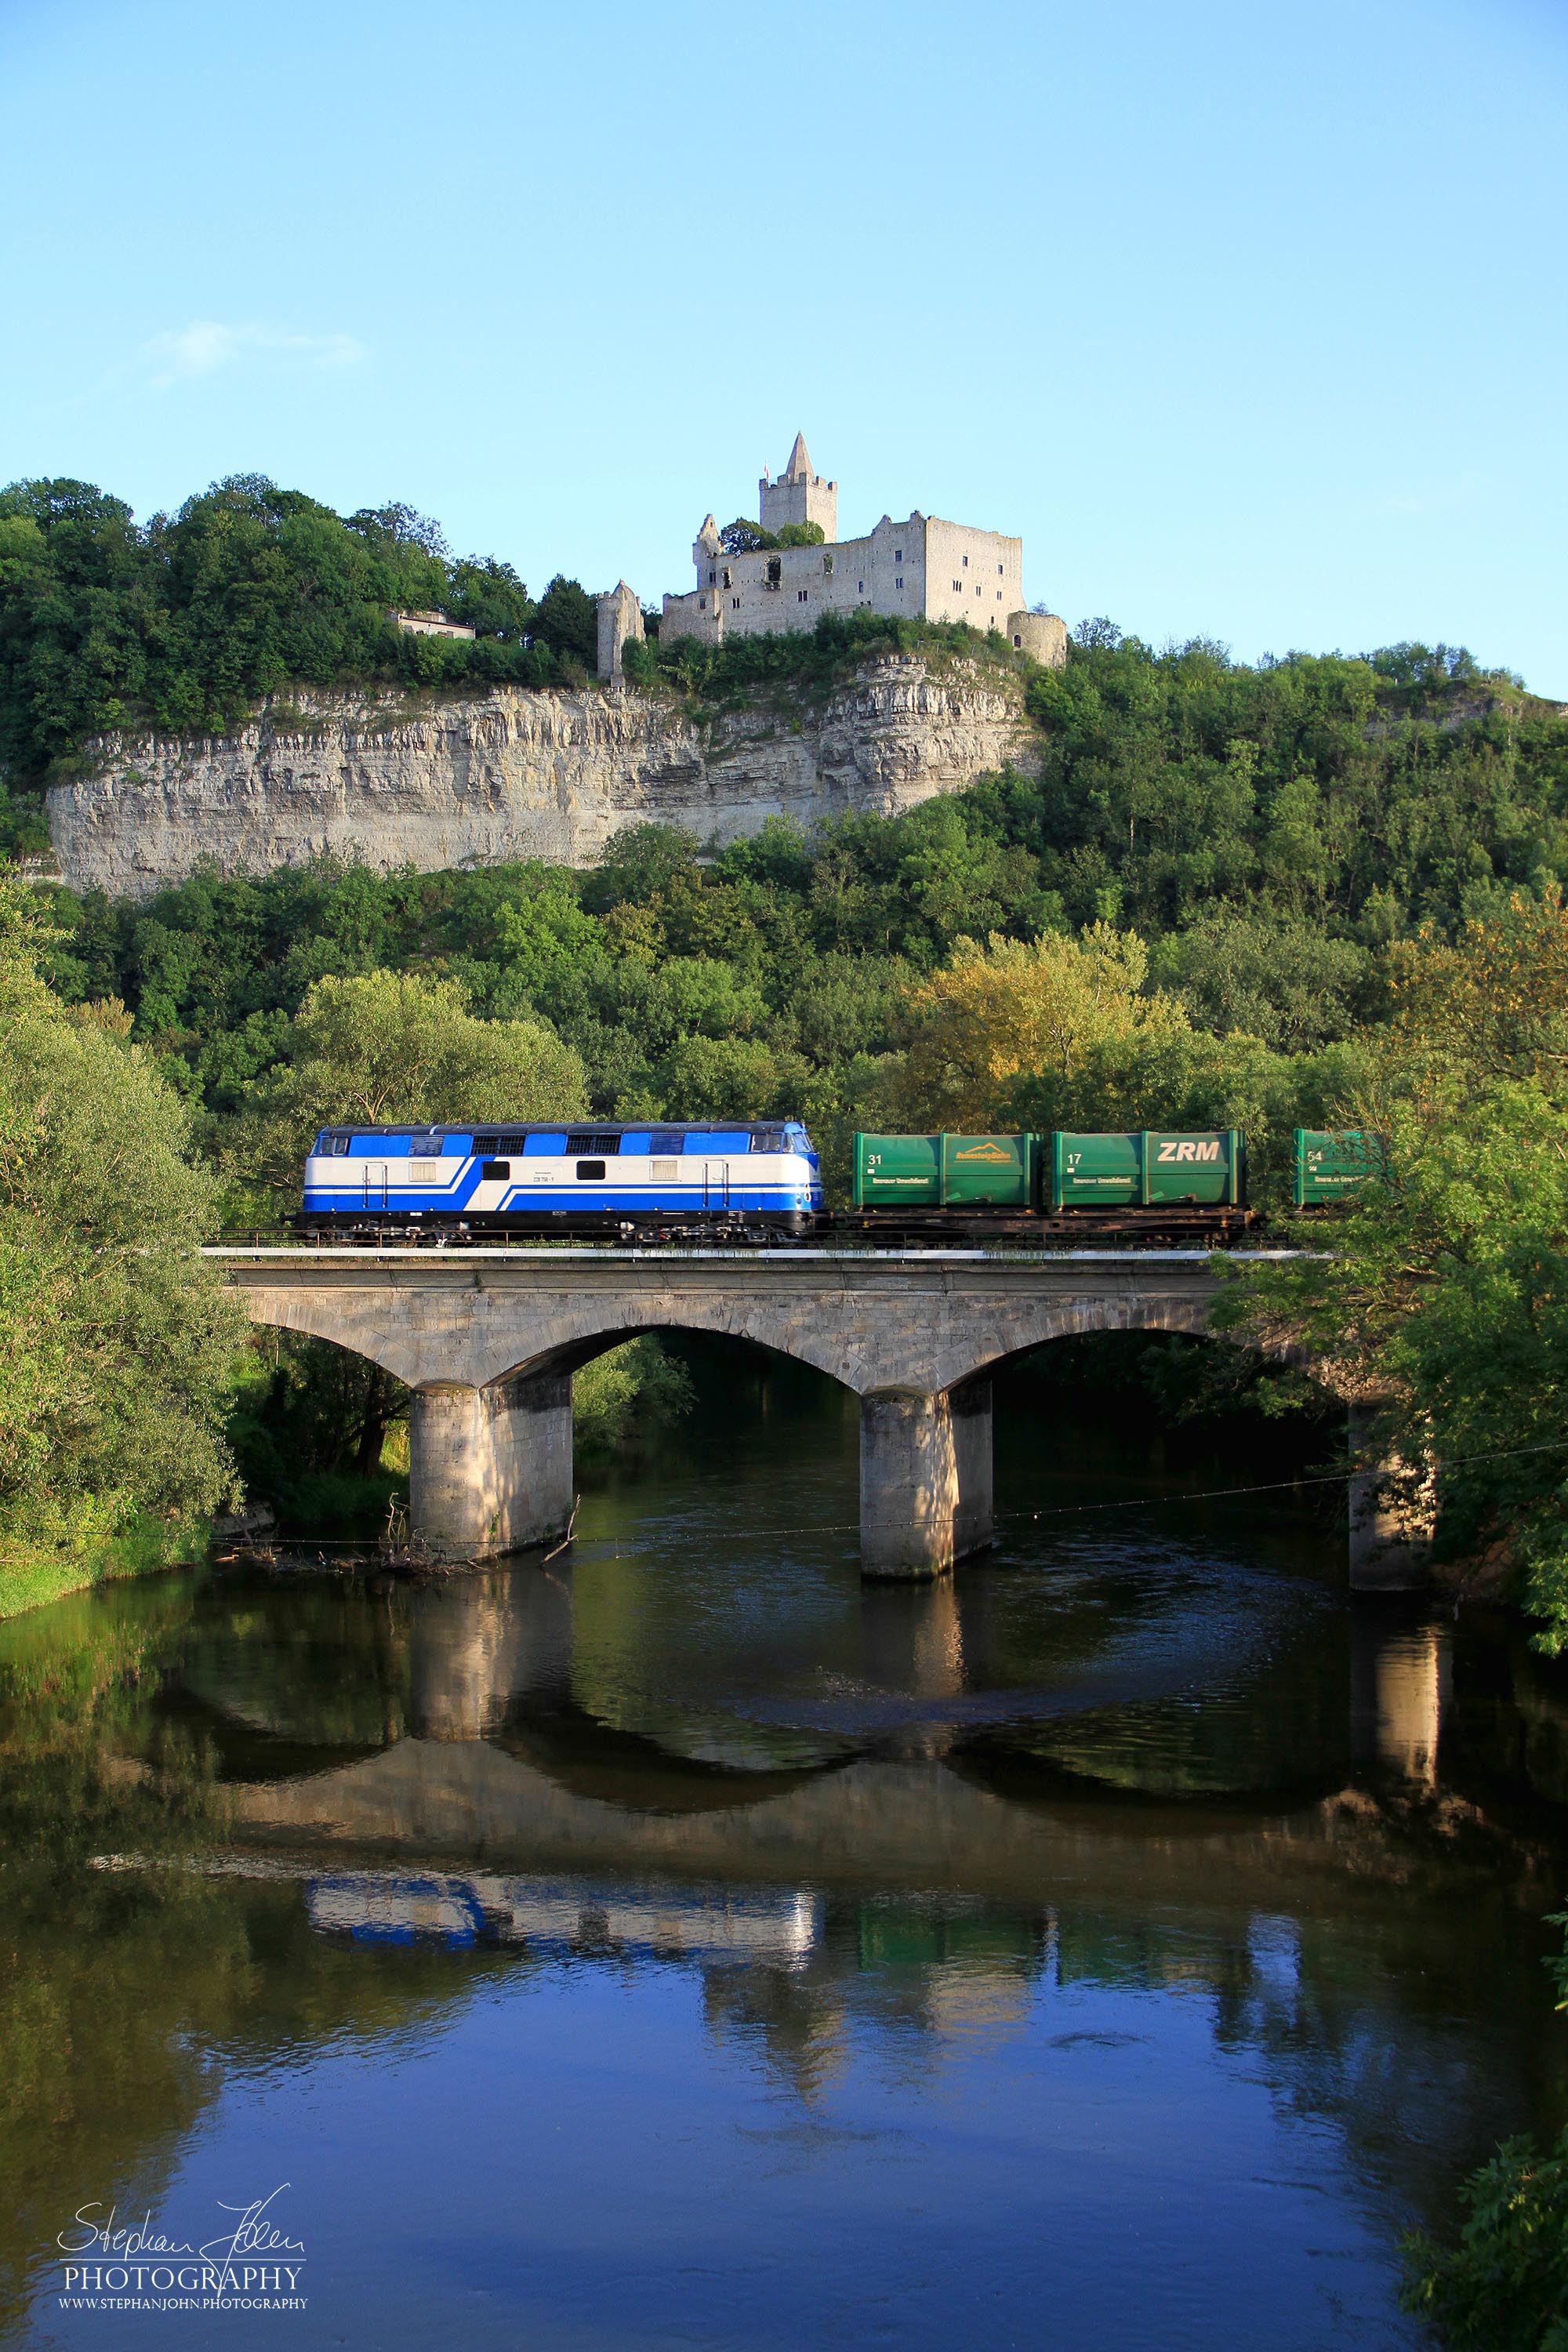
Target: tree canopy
column 117, row 1344
column 184, row 623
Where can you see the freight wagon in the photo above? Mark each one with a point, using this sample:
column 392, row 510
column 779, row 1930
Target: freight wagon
column 1147, row 1183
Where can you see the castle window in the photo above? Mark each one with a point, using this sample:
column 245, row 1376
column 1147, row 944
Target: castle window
column 998, row 595
column 898, row 558
column 775, row 570
column 711, row 579
column 726, row 575
column 1018, row 641
column 958, row 583
column 899, row 582
column 859, row 587
column 998, row 571
column 801, row 594
column 828, row 566
column 966, row 562
column 703, row 603
column 735, row 604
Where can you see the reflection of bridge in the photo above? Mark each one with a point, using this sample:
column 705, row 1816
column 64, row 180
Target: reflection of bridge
column 488, row 1340
column 483, row 1773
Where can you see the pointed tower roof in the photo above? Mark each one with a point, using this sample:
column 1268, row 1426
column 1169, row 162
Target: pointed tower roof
column 799, row 466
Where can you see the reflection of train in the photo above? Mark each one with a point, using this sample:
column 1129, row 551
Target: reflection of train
column 702, row 1922
column 760, row 1181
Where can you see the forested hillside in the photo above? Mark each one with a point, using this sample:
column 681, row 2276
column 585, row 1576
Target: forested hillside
column 1250, row 851
column 185, row 621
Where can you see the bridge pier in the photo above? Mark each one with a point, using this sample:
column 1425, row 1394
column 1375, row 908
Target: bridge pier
column 489, row 1468
column 1390, row 1521
column 926, row 1492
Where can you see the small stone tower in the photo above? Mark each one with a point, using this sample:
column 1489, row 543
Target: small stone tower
column 798, row 495
column 620, row 617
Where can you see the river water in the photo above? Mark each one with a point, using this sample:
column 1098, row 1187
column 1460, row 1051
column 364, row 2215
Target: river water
column 680, row 1944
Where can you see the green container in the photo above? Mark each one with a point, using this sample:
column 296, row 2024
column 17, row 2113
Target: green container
column 989, row 1171
column 1331, row 1162
column 939, row 1171
column 898, row 1172
column 1149, row 1168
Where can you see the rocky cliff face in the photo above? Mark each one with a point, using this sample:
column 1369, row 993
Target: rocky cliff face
column 516, row 773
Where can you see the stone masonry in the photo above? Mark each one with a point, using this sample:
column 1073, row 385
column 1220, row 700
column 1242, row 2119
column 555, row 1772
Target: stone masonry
column 922, row 568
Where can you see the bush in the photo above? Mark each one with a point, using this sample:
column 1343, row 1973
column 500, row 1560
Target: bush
column 1504, row 2286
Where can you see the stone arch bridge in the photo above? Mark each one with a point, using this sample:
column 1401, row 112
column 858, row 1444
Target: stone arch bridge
column 488, row 1341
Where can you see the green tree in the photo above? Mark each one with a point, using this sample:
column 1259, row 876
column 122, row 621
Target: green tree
column 1007, row 1012
column 567, row 621
column 1444, row 1304
column 387, row 1046
column 118, row 1344
column 1280, row 976
column 1503, row 2288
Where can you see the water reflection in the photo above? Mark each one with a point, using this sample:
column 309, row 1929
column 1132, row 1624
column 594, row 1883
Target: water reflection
column 1134, row 1875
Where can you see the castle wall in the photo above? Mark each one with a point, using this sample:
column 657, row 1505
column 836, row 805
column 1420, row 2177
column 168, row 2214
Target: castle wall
column 515, row 773
column 971, row 575
column 884, row 573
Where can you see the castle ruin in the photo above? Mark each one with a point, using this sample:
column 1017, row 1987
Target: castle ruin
column 923, row 567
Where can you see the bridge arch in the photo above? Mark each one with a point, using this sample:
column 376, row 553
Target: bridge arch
column 488, row 1341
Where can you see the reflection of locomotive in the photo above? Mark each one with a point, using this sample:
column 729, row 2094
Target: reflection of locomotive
column 760, row 1181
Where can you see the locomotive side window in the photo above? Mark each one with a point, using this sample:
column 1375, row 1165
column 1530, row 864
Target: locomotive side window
column 664, row 1171
column 496, row 1170
column 590, row 1171
column 594, row 1140
column 485, row 1143
column 667, row 1140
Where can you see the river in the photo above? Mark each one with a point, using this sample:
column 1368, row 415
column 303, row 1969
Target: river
column 680, row 1944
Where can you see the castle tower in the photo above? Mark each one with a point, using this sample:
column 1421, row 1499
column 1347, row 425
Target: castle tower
column 620, row 618
column 798, row 495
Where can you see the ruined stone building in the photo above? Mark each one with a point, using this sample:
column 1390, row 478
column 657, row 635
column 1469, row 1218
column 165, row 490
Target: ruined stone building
column 923, row 567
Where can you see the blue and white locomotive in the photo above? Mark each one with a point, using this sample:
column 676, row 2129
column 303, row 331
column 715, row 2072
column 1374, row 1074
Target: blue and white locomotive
column 636, row 1181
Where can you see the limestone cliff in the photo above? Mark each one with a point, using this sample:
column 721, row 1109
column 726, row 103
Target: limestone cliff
column 518, row 773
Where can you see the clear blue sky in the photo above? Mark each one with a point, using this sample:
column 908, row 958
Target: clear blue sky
column 1250, row 318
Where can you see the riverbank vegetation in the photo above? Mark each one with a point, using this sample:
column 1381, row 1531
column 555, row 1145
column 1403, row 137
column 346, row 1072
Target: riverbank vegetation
column 118, row 1347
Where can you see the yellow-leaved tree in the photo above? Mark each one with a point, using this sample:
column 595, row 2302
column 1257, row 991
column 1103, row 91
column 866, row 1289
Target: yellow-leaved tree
column 1001, row 1015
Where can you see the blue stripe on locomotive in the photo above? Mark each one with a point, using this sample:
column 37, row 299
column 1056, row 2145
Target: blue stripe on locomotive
column 724, row 1145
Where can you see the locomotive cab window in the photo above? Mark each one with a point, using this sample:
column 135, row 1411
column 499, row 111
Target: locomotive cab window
column 336, row 1145
column 590, row 1171
column 769, row 1138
